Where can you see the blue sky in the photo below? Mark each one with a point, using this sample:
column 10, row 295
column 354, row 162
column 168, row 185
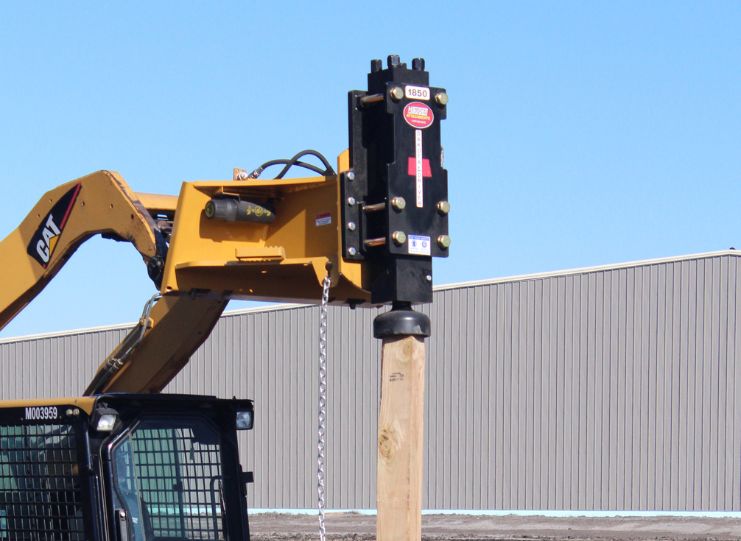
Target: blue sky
column 578, row 133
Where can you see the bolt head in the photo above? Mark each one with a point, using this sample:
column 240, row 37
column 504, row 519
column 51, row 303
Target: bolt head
column 351, row 201
column 443, row 207
column 396, row 93
column 399, row 237
column 351, row 226
column 443, row 241
column 428, row 278
column 351, row 250
column 350, row 175
column 399, row 203
column 441, row 98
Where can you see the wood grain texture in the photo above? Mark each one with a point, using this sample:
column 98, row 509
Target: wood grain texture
column 401, row 440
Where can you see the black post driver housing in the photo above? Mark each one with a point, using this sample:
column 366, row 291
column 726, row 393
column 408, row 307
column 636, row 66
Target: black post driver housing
column 395, row 195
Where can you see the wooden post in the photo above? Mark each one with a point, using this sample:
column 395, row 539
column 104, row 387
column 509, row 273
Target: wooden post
column 401, row 425
column 401, row 440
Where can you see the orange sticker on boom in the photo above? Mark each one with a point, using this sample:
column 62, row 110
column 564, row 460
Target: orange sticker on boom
column 418, row 115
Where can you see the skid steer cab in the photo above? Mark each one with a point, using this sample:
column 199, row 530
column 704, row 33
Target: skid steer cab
column 123, row 467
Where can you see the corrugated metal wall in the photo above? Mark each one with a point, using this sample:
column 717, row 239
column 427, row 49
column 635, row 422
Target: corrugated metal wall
column 614, row 388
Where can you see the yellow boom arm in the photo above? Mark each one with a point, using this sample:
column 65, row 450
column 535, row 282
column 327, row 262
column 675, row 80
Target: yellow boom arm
column 61, row 221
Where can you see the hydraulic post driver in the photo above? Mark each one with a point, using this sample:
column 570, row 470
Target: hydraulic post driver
column 121, row 463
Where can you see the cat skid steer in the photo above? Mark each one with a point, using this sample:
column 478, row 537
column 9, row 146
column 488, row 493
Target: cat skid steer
column 123, row 462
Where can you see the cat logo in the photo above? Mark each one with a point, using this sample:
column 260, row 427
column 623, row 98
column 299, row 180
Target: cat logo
column 45, row 240
column 46, row 245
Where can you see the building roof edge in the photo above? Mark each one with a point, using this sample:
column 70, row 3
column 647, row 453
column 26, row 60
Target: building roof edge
column 444, row 287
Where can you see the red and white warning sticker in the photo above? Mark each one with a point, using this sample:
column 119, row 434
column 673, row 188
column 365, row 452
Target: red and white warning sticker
column 418, row 115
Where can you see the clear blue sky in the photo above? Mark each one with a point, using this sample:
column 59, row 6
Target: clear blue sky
column 577, row 134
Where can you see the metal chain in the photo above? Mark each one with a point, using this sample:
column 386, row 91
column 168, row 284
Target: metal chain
column 322, row 426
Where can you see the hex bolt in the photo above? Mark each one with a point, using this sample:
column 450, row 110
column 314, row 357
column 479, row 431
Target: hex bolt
column 393, row 61
column 351, row 226
column 443, row 207
column 396, row 93
column 418, row 64
column 441, row 98
column 351, row 250
column 399, row 203
column 350, row 175
column 376, row 65
column 351, row 201
column 443, row 241
column 399, row 237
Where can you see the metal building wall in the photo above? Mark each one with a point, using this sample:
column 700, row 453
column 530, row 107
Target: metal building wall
column 612, row 388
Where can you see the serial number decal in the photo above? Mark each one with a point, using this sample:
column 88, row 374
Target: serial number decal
column 42, row 413
column 417, row 93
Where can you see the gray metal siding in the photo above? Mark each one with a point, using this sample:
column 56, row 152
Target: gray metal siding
column 607, row 389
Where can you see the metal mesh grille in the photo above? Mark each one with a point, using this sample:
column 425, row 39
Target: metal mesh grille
column 40, row 496
column 179, row 483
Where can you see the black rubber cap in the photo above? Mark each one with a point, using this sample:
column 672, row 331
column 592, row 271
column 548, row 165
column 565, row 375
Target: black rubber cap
column 401, row 323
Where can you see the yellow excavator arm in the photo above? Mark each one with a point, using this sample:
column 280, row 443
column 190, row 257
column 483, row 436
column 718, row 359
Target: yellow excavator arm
column 61, row 221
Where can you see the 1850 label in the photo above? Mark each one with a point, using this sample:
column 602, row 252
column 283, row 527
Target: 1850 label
column 417, row 92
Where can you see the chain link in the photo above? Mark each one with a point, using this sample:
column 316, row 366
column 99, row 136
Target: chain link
column 322, row 426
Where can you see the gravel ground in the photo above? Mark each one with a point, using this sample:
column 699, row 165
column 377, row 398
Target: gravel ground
column 348, row 526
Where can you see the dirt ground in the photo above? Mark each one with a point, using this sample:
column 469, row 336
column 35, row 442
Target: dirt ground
column 348, row 526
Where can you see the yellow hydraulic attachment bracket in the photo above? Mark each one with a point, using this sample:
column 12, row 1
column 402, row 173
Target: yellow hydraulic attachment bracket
column 261, row 239
column 63, row 219
column 244, row 239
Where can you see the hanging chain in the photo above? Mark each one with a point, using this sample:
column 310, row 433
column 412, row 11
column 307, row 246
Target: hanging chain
column 322, row 426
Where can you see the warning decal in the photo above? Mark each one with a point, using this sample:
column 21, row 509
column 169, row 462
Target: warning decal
column 418, row 115
column 419, row 245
